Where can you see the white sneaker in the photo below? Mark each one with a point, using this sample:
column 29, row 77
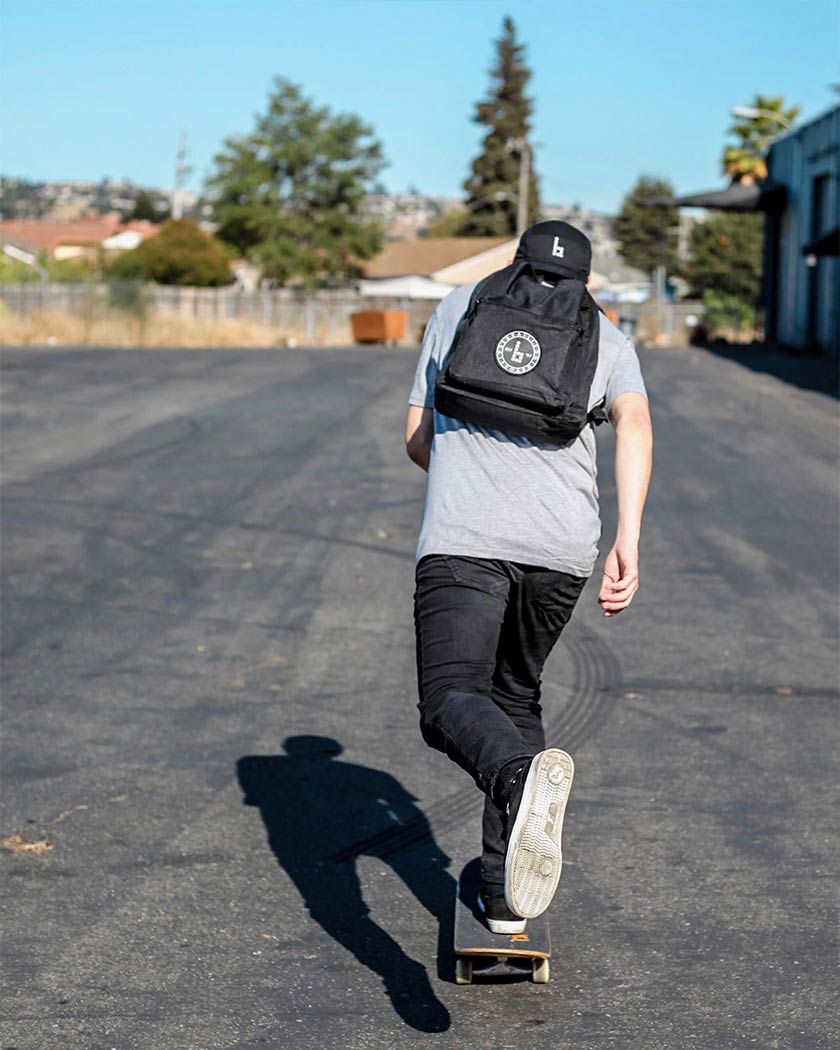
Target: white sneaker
column 534, row 859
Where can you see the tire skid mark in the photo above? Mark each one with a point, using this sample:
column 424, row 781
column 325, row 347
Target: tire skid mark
column 96, row 539
column 597, row 676
column 171, row 536
column 597, row 687
column 80, row 604
column 187, row 430
column 284, row 476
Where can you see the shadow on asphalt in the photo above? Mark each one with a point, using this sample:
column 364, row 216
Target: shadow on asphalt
column 314, row 807
column 807, row 371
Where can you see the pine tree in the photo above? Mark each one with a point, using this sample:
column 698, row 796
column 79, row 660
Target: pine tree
column 745, row 162
column 492, row 188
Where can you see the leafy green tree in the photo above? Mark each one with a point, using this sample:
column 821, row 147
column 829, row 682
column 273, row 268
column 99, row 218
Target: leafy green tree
column 291, row 194
column 728, row 313
column 493, row 185
column 647, row 235
column 182, row 253
column 14, row 272
column 725, row 256
column 745, row 162
column 69, row 271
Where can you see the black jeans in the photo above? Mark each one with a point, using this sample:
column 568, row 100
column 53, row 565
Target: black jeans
column 484, row 630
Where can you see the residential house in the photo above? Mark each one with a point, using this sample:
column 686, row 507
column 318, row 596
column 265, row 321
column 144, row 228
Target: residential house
column 430, row 267
column 81, row 239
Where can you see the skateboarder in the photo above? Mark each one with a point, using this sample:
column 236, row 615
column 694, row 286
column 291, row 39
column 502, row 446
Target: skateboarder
column 507, row 542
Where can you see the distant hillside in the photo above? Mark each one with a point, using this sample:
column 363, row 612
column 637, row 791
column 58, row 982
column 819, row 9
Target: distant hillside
column 407, row 214
column 72, row 200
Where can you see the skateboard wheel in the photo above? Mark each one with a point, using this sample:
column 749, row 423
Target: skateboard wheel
column 540, row 971
column 463, row 970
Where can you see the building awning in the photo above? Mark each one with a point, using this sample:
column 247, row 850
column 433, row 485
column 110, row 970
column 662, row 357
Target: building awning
column 828, row 244
column 764, row 196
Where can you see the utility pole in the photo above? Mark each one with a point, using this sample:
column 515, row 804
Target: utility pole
column 521, row 147
column 182, row 169
column 524, row 187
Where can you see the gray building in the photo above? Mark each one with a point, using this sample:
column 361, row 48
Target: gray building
column 801, row 265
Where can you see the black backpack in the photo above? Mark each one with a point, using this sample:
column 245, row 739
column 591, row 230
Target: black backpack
column 523, row 358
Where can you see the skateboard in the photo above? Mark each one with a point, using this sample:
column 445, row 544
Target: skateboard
column 480, row 953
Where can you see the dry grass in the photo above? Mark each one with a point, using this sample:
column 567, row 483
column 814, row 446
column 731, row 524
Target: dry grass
column 118, row 329
column 18, row 844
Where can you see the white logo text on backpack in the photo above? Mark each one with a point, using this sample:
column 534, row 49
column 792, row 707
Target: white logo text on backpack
column 517, row 353
column 558, row 249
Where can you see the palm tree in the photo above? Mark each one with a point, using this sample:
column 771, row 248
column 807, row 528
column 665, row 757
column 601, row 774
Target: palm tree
column 755, row 127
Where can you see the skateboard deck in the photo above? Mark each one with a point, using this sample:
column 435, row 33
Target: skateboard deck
column 480, row 953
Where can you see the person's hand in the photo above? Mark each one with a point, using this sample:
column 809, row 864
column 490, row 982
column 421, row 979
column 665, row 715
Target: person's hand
column 621, row 578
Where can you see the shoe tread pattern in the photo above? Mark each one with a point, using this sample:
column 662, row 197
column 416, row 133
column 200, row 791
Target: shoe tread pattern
column 472, row 936
column 535, row 861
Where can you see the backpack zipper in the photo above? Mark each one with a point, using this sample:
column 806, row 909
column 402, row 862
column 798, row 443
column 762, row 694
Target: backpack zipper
column 522, row 310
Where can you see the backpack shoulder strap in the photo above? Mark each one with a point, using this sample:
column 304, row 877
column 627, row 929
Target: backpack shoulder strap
column 598, row 414
column 497, row 283
column 476, row 294
column 501, row 281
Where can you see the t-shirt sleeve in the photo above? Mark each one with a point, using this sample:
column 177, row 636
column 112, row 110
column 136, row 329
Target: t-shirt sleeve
column 626, row 375
column 423, row 390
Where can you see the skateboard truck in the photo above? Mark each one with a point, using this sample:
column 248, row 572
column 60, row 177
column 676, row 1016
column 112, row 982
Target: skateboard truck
column 481, row 953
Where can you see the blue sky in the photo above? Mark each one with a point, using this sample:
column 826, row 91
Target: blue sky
column 104, row 87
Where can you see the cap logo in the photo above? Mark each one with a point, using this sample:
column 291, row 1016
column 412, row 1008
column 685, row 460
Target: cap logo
column 517, row 353
column 557, row 248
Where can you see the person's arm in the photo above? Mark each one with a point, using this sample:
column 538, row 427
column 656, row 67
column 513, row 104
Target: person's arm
column 633, row 459
column 420, row 424
column 419, row 431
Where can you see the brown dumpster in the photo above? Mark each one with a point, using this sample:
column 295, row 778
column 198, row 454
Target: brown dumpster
column 378, row 326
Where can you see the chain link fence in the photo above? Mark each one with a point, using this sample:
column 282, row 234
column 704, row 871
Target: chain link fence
column 288, row 316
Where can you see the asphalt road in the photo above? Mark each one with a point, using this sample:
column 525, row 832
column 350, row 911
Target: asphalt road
column 209, row 718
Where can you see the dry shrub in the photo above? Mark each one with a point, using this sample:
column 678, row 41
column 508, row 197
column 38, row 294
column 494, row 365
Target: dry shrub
column 119, row 329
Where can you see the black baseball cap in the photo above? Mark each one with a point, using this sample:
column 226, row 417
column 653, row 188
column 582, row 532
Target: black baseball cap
column 557, row 247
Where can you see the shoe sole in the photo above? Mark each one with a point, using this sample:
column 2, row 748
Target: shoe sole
column 508, row 926
column 534, row 858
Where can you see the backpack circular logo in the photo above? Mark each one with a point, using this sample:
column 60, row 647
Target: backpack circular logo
column 517, row 353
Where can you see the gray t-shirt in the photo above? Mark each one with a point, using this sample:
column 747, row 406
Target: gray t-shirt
column 490, row 495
